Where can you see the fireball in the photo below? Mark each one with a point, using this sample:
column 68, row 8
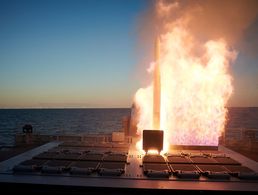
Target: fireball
column 194, row 86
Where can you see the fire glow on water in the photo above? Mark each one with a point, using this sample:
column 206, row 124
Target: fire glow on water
column 194, row 88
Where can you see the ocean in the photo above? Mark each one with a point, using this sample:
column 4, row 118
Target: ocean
column 59, row 121
column 75, row 121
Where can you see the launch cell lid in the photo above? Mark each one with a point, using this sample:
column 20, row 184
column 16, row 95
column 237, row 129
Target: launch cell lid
column 152, row 140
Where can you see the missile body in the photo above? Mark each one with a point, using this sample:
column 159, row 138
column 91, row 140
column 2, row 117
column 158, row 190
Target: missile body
column 156, row 88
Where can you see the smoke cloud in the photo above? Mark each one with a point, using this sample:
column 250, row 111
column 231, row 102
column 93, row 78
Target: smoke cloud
column 205, row 19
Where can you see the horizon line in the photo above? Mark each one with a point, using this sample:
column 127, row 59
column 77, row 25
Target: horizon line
column 65, row 108
column 10, row 108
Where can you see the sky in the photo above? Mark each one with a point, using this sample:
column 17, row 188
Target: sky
column 85, row 53
column 66, row 53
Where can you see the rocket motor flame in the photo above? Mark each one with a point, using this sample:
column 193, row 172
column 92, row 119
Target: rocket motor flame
column 194, row 89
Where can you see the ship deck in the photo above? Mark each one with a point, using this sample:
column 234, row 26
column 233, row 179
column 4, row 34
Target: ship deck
column 119, row 167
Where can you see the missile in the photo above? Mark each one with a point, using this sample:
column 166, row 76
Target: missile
column 156, row 87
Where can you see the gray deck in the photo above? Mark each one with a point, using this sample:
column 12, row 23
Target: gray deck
column 132, row 176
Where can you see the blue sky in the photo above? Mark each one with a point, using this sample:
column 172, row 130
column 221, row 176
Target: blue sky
column 81, row 53
column 68, row 53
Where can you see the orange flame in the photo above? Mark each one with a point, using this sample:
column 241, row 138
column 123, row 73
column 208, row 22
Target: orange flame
column 194, row 89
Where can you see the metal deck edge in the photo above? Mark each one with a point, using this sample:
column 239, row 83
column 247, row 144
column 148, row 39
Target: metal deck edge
column 8, row 164
column 240, row 158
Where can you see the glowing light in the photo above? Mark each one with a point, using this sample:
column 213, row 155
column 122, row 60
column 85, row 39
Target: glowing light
column 152, row 152
column 194, row 88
